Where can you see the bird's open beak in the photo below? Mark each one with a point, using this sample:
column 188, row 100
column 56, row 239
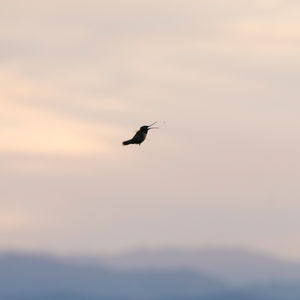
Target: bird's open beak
column 149, row 127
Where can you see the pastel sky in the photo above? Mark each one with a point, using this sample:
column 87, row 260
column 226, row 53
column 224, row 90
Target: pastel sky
column 79, row 77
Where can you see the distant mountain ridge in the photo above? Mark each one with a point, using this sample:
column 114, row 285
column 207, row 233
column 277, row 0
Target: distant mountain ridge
column 24, row 274
column 234, row 265
column 204, row 274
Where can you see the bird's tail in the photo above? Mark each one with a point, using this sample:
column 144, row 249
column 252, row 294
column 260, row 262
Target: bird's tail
column 127, row 142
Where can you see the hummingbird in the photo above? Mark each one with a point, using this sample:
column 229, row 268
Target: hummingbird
column 140, row 135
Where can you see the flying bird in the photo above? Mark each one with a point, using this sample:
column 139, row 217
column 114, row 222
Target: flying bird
column 140, row 135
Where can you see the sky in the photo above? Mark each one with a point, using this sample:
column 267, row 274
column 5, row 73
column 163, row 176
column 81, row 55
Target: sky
column 79, row 77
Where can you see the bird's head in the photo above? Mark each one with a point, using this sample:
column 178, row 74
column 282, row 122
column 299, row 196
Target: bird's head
column 145, row 128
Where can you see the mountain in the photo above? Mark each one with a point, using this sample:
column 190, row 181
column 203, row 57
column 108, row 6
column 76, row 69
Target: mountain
column 38, row 276
column 204, row 274
column 234, row 266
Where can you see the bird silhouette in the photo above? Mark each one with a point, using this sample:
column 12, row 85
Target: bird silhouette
column 140, row 135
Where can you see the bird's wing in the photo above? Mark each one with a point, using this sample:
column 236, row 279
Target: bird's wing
column 137, row 134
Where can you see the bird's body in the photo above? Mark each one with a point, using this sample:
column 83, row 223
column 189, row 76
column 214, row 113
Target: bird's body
column 140, row 136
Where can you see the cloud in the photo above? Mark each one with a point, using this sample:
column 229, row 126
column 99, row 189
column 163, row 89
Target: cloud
column 33, row 128
column 11, row 221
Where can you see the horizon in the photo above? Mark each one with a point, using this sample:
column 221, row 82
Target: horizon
column 151, row 250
